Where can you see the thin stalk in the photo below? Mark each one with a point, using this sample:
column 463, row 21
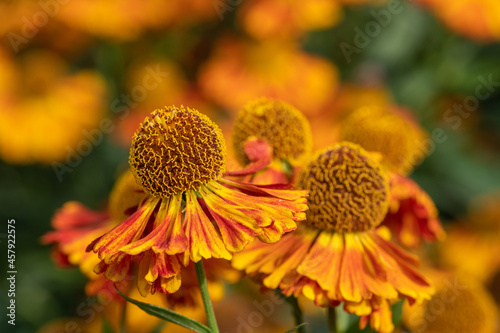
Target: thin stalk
column 123, row 322
column 332, row 320
column 297, row 313
column 205, row 296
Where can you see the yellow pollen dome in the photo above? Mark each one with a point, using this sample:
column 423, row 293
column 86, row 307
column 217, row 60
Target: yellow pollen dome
column 348, row 191
column 176, row 150
column 125, row 197
column 284, row 127
column 390, row 132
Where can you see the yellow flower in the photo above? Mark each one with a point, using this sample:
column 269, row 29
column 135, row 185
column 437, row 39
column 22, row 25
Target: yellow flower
column 391, row 132
column 38, row 97
column 191, row 212
column 459, row 305
column 266, row 134
column 127, row 20
column 473, row 244
column 477, row 19
column 337, row 255
column 276, row 70
column 288, row 19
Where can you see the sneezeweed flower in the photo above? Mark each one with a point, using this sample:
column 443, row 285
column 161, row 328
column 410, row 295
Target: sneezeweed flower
column 270, row 19
column 479, row 19
column 338, row 254
column 272, row 69
column 40, row 97
column 412, row 215
column 473, row 244
column 129, row 20
column 192, row 212
column 270, row 137
column 76, row 226
column 460, row 304
column 389, row 131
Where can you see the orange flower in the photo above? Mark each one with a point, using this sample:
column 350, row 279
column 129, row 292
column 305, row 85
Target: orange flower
column 477, row 19
column 412, row 215
column 460, row 304
column 472, row 245
column 270, row 137
column 338, row 255
column 127, row 20
column 191, row 212
column 77, row 226
column 39, row 97
column 270, row 69
column 288, row 19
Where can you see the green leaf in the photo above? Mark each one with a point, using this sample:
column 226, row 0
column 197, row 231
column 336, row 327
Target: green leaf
column 168, row 315
column 296, row 327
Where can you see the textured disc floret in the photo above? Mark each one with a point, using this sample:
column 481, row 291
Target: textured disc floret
column 348, row 191
column 280, row 124
column 176, row 150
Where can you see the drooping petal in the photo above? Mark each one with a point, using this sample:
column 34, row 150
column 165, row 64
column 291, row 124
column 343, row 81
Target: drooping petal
column 412, row 215
column 260, row 154
column 109, row 245
column 167, row 236
column 203, row 240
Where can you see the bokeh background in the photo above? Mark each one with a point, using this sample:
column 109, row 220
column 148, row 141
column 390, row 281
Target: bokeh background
column 78, row 76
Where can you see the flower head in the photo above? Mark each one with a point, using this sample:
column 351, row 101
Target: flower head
column 176, row 150
column 278, row 123
column 191, row 212
column 270, row 137
column 390, row 132
column 338, row 254
column 460, row 304
column 348, row 192
column 76, row 226
column 479, row 19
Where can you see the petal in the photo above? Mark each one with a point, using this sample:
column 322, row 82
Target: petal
column 237, row 229
column 167, row 235
column 203, row 240
column 108, row 246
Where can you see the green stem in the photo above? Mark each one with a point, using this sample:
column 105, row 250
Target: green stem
column 123, row 323
column 297, row 313
column 209, row 310
column 332, row 320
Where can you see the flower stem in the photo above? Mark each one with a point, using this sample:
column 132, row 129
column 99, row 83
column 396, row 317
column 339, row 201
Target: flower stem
column 209, row 310
column 297, row 313
column 332, row 320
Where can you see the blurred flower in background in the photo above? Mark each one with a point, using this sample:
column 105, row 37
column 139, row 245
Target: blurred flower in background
column 415, row 84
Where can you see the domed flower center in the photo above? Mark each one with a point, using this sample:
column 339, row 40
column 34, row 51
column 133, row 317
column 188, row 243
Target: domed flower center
column 348, row 192
column 281, row 125
column 177, row 150
column 390, row 132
